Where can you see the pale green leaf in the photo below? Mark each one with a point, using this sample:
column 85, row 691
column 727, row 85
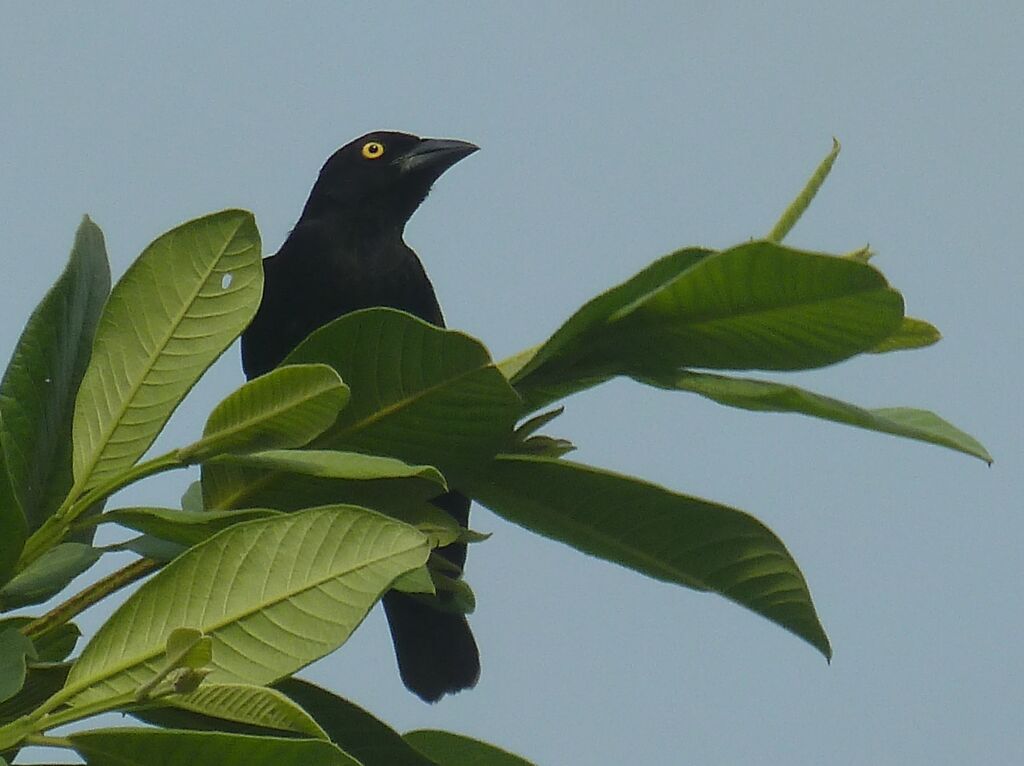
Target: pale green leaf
column 768, row 396
column 670, row 537
column 168, row 747
column 273, row 595
column 285, row 408
column 803, row 200
column 292, row 479
column 251, row 705
column 447, row 749
column 176, row 309
column 912, row 333
column 189, row 648
column 415, row 581
column 336, row 464
column 37, row 396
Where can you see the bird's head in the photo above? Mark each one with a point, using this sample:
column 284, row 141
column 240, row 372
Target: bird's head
column 383, row 176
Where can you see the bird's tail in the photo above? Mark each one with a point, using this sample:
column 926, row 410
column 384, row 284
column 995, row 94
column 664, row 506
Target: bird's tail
column 436, row 652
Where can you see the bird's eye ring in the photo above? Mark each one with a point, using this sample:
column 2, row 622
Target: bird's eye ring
column 373, row 149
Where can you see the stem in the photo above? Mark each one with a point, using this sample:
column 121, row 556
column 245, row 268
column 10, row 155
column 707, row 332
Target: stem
column 799, row 205
column 78, row 712
column 54, row 528
column 78, row 603
column 44, row 741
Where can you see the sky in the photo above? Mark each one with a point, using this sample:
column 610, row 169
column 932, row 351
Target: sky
column 610, row 136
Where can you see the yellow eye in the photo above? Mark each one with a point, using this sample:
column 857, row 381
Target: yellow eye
column 373, row 149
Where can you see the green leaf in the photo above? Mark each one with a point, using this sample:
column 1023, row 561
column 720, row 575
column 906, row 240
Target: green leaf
column 285, row 408
column 188, row 648
column 803, row 200
column 659, row 533
column 13, row 524
column 336, row 464
column 52, row 646
column 272, row 594
column 447, row 749
column 239, row 481
column 250, row 705
column 767, row 396
column 419, row 393
column 912, row 333
column 353, row 729
column 454, row 595
column 192, row 499
column 755, row 306
column 149, row 547
column 176, row 309
column 415, row 581
column 15, row 652
column 48, row 575
column 168, row 747
column 41, row 682
column 184, row 527
column 559, row 366
column 37, row 395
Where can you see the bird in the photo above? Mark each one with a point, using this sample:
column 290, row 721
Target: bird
column 347, row 252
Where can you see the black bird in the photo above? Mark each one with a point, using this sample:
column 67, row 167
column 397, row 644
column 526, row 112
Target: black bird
column 347, row 252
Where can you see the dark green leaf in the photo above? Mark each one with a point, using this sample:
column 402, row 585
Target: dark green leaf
column 532, row 425
column 52, row 646
column 40, row 684
column 149, row 547
column 419, row 393
column 57, row 643
column 767, row 396
column 192, row 500
column 167, row 747
column 13, row 524
column 559, row 366
column 184, row 527
column 37, row 396
column 48, row 575
column 15, row 652
column 354, row 730
column 664, row 535
column 755, row 306
column 544, row 446
column 447, row 749
column 285, row 408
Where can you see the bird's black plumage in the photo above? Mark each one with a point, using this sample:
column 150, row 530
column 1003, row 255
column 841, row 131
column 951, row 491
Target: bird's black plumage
column 346, row 253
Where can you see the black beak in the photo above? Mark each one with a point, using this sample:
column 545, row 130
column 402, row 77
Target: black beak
column 434, row 155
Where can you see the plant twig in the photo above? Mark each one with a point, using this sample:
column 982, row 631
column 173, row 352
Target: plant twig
column 99, row 590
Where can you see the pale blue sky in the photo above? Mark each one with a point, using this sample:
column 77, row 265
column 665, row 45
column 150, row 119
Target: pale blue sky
column 608, row 138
